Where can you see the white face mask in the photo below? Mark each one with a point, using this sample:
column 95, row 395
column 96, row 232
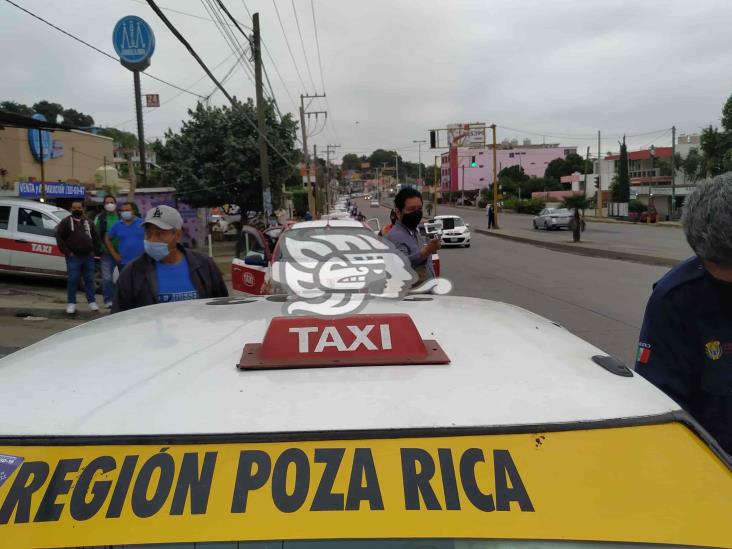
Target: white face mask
column 110, row 207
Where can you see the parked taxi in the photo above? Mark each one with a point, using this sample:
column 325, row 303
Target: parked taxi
column 28, row 238
column 430, row 421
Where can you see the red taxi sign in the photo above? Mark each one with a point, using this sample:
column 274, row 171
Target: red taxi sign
column 358, row 340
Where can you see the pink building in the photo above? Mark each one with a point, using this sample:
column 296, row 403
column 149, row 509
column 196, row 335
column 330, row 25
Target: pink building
column 457, row 174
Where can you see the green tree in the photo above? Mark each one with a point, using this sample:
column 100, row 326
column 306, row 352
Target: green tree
column 15, row 107
column 622, row 189
column 515, row 173
column 73, row 117
column 691, row 165
column 214, row 160
column 352, row 161
column 559, row 167
column 125, row 140
column 50, row 110
column 577, row 202
column 714, row 146
column 727, row 116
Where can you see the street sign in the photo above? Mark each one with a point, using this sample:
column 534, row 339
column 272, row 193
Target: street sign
column 134, row 42
column 152, row 100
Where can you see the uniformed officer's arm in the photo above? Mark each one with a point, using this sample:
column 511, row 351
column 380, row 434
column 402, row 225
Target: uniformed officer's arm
column 666, row 348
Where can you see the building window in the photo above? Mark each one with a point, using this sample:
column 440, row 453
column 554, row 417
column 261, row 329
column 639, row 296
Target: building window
column 510, row 155
column 567, row 151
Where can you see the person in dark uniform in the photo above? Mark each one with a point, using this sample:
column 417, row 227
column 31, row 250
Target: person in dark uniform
column 685, row 346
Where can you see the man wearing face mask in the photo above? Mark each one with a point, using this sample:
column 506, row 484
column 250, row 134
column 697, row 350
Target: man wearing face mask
column 78, row 240
column 166, row 272
column 103, row 222
column 129, row 234
column 406, row 238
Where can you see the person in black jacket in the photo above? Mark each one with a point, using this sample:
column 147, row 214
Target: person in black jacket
column 78, row 240
column 166, row 272
column 685, row 345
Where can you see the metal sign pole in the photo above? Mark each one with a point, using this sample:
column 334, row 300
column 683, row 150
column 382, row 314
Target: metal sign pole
column 140, row 136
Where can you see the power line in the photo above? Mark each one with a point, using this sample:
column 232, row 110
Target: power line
column 322, row 77
column 228, row 36
column 277, row 70
column 302, row 44
column 287, row 42
column 87, row 44
column 202, row 18
column 193, row 53
column 246, row 37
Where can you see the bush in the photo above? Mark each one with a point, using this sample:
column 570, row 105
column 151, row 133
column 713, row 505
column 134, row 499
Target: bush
column 300, row 201
column 526, row 206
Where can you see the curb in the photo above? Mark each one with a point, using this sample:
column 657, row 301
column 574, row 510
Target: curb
column 586, row 251
column 20, row 312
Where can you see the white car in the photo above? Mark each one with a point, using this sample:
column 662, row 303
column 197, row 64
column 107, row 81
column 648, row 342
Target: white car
column 552, row 219
column 375, row 204
column 28, row 239
column 436, row 422
column 455, row 232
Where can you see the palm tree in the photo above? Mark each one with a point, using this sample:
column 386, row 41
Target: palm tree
column 577, row 202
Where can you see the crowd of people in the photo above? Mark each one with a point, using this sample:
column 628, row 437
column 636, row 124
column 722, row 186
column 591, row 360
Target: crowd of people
column 152, row 265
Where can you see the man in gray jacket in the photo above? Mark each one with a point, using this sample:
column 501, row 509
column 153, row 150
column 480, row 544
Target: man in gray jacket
column 166, row 272
column 406, row 237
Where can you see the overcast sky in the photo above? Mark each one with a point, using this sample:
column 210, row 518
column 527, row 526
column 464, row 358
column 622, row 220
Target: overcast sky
column 394, row 69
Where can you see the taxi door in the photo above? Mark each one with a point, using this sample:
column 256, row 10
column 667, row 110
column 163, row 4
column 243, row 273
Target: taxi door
column 5, row 236
column 35, row 249
column 251, row 266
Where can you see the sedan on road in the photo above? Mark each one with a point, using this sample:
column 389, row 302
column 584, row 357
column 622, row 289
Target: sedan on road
column 552, row 218
column 453, row 230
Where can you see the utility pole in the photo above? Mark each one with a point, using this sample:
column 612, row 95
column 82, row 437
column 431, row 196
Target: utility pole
column 328, row 150
column 673, row 171
column 43, row 169
column 587, row 159
column 419, row 149
column 316, row 214
column 598, row 202
column 434, row 185
column 140, row 127
column 306, row 153
column 261, row 120
column 396, row 164
column 495, row 182
column 133, row 178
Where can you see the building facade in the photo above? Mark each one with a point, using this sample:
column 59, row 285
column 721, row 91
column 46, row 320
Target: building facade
column 68, row 156
column 457, row 172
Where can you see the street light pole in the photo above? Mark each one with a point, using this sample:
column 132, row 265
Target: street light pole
column 419, row 153
column 495, row 182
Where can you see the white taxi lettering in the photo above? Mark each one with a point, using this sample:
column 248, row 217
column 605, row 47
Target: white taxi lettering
column 42, row 248
column 331, row 337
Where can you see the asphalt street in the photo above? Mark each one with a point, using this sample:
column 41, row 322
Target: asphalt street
column 599, row 300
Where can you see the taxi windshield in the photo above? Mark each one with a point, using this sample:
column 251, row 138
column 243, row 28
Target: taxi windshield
column 288, row 255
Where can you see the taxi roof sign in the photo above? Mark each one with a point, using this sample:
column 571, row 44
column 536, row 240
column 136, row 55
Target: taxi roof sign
column 356, row 340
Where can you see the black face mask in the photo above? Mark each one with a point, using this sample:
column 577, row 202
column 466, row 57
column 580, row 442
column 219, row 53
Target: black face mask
column 77, row 214
column 412, row 219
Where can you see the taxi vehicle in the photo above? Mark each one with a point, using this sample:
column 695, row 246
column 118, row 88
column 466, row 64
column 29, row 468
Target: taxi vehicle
column 232, row 425
column 257, row 255
column 453, row 230
column 28, row 238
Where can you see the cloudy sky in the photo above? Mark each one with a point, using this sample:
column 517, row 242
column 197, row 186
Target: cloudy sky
column 546, row 70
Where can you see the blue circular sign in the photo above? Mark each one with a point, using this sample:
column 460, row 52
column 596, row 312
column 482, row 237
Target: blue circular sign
column 133, row 40
column 40, row 140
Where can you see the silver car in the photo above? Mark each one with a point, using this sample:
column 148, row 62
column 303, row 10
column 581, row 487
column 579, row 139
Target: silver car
column 552, row 218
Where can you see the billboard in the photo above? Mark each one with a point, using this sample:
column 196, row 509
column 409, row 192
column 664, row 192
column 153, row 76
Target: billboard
column 466, row 135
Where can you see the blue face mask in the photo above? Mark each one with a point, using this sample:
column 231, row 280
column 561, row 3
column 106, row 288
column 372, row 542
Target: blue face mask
column 157, row 250
column 126, row 215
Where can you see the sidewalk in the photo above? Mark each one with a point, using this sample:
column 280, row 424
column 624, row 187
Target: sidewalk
column 21, row 297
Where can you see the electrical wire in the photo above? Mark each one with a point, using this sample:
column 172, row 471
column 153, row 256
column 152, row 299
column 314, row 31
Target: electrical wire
column 287, row 42
column 322, row 77
column 202, row 18
column 87, row 44
column 229, row 38
column 266, row 76
column 193, row 53
column 302, row 44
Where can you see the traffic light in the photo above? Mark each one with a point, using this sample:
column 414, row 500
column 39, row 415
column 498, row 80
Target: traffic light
column 597, row 181
column 433, row 139
column 473, row 164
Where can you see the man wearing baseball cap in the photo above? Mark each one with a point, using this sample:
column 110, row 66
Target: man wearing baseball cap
column 166, row 272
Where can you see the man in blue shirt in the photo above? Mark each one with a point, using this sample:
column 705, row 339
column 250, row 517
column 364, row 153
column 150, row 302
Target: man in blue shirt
column 685, row 345
column 406, row 237
column 167, row 271
column 129, row 235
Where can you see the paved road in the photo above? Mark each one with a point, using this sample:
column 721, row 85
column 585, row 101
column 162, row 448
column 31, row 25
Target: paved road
column 659, row 241
column 600, row 300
